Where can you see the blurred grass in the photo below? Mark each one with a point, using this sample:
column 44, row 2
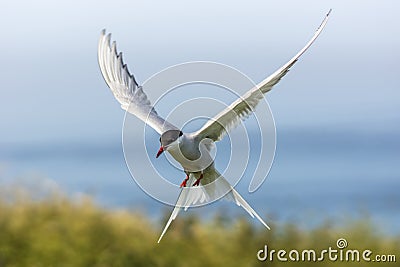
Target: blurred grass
column 57, row 231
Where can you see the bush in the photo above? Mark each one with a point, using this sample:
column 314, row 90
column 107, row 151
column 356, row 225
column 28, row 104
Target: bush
column 57, row 231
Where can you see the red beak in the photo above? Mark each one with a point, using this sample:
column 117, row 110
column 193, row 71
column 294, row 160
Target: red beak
column 160, row 152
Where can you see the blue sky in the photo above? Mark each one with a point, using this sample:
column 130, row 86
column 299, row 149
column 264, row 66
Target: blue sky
column 52, row 90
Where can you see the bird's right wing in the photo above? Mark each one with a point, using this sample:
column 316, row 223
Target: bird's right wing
column 231, row 116
column 124, row 86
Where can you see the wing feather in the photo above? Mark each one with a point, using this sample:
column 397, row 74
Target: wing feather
column 124, row 86
column 230, row 117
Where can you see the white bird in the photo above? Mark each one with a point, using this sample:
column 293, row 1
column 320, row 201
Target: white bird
column 191, row 150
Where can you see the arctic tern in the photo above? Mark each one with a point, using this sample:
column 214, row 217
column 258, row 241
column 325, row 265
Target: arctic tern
column 192, row 150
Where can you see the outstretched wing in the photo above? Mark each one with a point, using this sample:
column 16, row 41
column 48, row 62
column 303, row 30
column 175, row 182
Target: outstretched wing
column 230, row 117
column 124, row 86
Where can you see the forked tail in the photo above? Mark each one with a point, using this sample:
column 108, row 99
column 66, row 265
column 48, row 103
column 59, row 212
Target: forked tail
column 213, row 187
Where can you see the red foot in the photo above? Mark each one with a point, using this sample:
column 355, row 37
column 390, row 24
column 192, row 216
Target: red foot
column 183, row 184
column 198, row 180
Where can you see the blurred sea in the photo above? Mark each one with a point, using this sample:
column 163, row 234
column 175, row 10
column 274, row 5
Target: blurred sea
column 316, row 175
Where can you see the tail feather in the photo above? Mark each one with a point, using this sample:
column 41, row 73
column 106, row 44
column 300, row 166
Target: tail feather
column 241, row 202
column 213, row 186
column 221, row 187
column 187, row 197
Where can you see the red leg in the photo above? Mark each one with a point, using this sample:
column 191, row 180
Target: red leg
column 183, row 184
column 198, row 180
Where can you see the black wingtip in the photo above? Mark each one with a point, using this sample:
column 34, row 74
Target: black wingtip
column 329, row 12
column 103, row 32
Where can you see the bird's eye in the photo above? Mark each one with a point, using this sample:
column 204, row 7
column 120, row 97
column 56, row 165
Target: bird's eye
column 180, row 133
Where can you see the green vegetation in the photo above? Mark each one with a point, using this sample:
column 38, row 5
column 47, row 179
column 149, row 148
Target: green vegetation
column 57, row 231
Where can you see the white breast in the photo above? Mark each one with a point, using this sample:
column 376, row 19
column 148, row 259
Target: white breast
column 192, row 156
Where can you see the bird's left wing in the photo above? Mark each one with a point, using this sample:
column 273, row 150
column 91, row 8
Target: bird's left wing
column 124, row 86
column 230, row 117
